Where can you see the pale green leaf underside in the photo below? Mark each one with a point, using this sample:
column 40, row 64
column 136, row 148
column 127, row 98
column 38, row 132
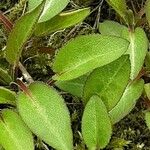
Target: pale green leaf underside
column 109, row 82
column 137, row 50
column 14, row 134
column 5, row 78
column 51, row 8
column 111, row 28
column 96, row 125
column 127, row 102
column 85, row 53
column 21, row 32
column 7, row 96
column 46, row 114
column 147, row 119
column 74, row 87
column 61, row 21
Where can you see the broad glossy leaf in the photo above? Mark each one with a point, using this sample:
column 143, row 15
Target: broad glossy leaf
column 74, row 87
column 147, row 10
column 21, row 32
column 137, row 50
column 109, row 82
column 7, row 96
column 85, row 53
column 46, row 114
column 111, row 28
column 14, row 134
column 51, row 9
column 147, row 119
column 127, row 102
column 119, row 6
column 61, row 21
column 5, row 78
column 96, row 125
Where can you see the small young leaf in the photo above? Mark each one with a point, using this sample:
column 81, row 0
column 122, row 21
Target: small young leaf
column 86, row 53
column 137, row 50
column 5, row 78
column 147, row 119
column 111, row 28
column 119, row 6
column 147, row 10
column 14, row 134
column 96, row 125
column 51, row 9
column 127, row 102
column 109, row 82
column 7, row 96
column 61, row 21
column 46, row 114
column 74, row 87
column 147, row 90
column 22, row 30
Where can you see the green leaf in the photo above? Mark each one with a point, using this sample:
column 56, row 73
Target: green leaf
column 127, row 102
column 147, row 61
column 21, row 32
column 147, row 90
column 46, row 114
column 14, row 134
column 61, row 21
column 7, row 96
column 96, row 125
column 51, row 9
column 147, row 119
column 74, row 87
column 85, row 53
column 137, row 50
column 119, row 6
column 5, row 78
column 111, row 28
column 109, row 82
column 147, row 10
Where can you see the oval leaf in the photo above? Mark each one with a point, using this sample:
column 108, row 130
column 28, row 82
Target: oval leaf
column 46, row 114
column 14, row 134
column 86, row 53
column 74, row 87
column 109, row 82
column 5, row 78
column 127, row 102
column 96, row 125
column 21, row 32
column 51, row 9
column 7, row 96
column 111, row 28
column 137, row 50
column 61, row 21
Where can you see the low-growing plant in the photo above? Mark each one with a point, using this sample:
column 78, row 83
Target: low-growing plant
column 103, row 69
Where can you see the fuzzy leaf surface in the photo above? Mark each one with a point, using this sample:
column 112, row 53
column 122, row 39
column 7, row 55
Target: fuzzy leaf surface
column 21, row 32
column 137, row 50
column 85, row 53
column 96, row 125
column 14, row 134
column 61, row 21
column 51, row 8
column 127, row 102
column 7, row 96
column 111, row 28
column 109, row 82
column 46, row 114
